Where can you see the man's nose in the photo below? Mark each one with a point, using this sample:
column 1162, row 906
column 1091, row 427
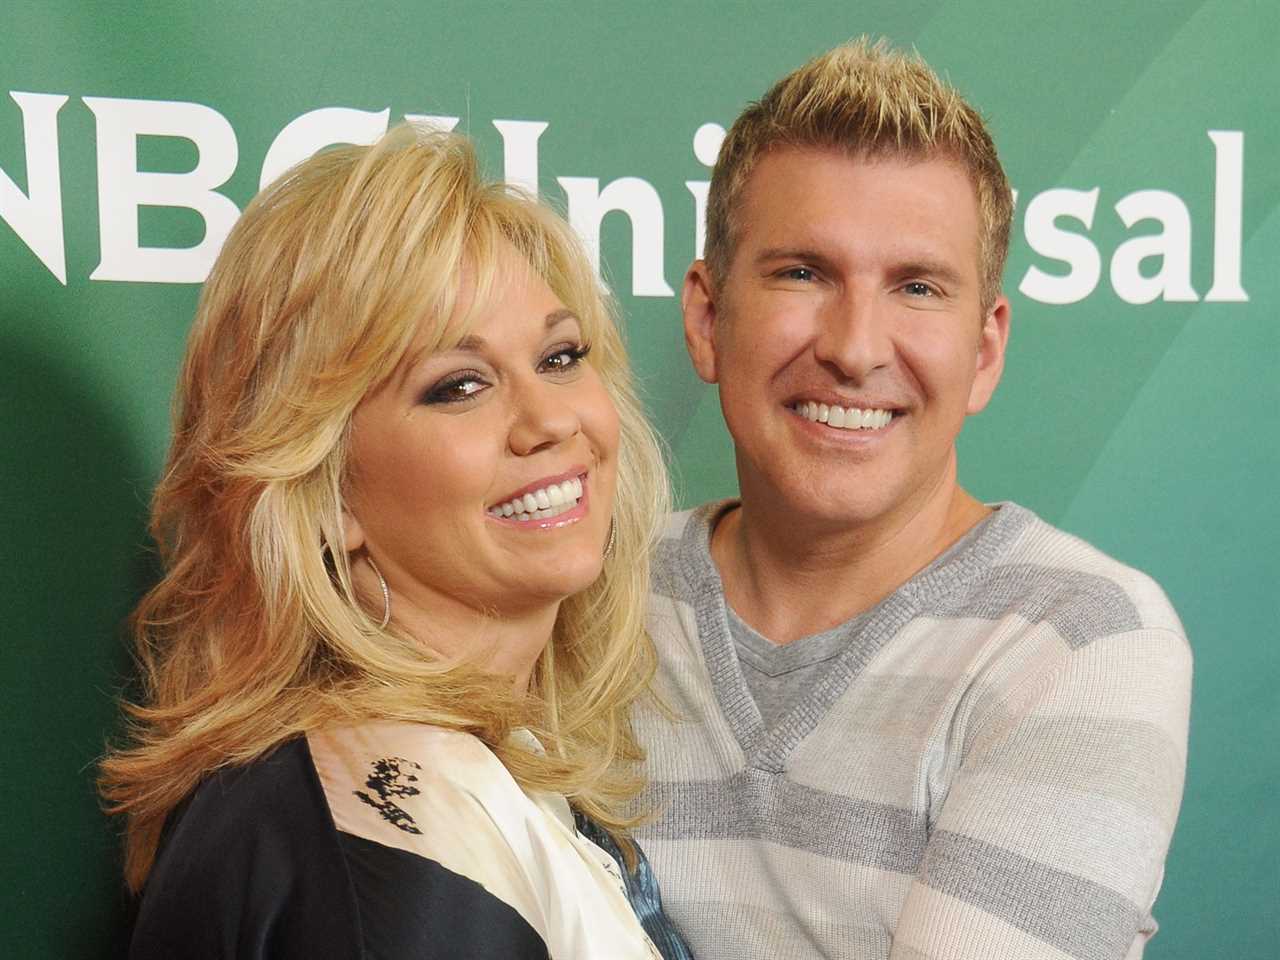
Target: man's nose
column 544, row 416
column 855, row 336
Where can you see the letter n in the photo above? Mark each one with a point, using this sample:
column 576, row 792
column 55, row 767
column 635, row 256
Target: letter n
column 588, row 205
column 36, row 216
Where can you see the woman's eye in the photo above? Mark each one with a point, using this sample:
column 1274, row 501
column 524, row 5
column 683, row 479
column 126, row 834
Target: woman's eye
column 563, row 359
column 455, row 389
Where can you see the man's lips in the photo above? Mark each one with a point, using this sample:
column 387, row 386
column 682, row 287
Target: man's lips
column 867, row 418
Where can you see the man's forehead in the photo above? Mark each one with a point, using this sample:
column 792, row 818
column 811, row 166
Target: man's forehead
column 810, row 197
column 809, row 163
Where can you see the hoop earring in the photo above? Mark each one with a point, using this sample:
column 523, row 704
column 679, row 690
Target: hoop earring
column 613, row 538
column 386, row 593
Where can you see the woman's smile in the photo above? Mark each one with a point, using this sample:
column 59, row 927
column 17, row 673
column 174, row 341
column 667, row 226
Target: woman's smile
column 562, row 498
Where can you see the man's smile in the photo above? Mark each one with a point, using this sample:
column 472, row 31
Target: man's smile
column 844, row 418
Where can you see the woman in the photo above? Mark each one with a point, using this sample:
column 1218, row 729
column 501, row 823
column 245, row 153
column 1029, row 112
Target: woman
column 405, row 521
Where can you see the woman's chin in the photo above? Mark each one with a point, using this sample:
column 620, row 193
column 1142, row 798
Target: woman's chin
column 559, row 582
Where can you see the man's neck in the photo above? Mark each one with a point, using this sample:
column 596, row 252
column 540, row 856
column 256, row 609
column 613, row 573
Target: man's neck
column 788, row 579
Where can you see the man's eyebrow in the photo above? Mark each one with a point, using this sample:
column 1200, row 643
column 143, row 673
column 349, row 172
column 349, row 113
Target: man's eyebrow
column 806, row 254
column 924, row 266
column 936, row 269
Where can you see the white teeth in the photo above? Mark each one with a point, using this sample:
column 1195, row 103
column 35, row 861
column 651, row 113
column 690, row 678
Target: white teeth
column 844, row 418
column 551, row 501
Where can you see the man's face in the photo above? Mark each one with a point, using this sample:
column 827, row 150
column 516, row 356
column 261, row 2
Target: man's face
column 855, row 284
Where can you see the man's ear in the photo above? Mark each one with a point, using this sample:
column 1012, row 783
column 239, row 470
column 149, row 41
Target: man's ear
column 698, row 302
column 352, row 532
column 991, row 348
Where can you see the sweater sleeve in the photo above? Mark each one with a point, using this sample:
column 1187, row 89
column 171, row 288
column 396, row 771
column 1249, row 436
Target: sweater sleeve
column 1050, row 842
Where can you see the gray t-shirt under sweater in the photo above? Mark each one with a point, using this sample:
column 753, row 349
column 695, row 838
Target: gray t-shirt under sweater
column 778, row 676
column 989, row 766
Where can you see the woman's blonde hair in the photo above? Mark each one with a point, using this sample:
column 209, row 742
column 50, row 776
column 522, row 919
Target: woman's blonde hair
column 254, row 634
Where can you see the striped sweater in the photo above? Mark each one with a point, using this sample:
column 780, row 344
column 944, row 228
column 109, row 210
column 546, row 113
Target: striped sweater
column 991, row 768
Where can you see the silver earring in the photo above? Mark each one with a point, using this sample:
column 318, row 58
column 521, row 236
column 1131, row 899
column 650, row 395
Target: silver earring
column 386, row 593
column 613, row 537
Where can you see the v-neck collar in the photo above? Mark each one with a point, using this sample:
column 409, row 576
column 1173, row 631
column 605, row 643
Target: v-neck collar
column 767, row 749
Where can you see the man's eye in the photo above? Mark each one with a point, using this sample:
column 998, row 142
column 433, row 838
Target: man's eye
column 918, row 288
column 455, row 389
column 563, row 359
column 802, row 274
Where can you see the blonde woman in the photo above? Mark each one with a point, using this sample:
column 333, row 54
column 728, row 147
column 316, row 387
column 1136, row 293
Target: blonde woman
column 405, row 521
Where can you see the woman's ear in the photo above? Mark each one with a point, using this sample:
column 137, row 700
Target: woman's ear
column 352, row 532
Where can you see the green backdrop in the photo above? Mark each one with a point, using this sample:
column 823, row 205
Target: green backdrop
column 1142, row 139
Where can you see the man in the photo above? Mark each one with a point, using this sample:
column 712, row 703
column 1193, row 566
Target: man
column 906, row 724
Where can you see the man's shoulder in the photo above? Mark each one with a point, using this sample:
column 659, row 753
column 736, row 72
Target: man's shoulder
column 682, row 557
column 1047, row 570
column 682, row 522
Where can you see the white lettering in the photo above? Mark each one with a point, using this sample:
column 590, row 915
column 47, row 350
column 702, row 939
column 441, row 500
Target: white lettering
column 520, row 152
column 443, row 124
column 1228, row 201
column 1044, row 237
column 1172, row 245
column 122, row 188
column 707, row 140
column 304, row 135
column 36, row 216
column 706, row 143
column 699, row 189
column 588, row 205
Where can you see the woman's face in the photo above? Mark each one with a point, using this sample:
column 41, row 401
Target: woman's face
column 482, row 477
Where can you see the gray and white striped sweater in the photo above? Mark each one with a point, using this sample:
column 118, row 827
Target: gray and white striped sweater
column 992, row 767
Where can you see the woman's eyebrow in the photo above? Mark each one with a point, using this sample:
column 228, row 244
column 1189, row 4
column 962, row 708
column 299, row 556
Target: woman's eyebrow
column 473, row 344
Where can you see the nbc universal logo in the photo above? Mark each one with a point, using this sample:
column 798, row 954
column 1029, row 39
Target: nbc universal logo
column 36, row 216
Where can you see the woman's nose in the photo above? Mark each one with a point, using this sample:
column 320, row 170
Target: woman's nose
column 544, row 417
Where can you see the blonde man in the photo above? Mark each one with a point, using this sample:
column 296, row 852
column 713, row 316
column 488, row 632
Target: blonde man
column 911, row 725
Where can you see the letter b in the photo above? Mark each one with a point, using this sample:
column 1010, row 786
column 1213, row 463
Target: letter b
column 122, row 188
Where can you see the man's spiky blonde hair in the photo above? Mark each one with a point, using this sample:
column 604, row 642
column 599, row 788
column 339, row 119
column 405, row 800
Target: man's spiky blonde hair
column 870, row 101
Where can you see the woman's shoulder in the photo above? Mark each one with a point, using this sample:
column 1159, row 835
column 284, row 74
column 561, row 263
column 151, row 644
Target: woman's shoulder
column 417, row 787
column 235, row 805
column 439, row 811
column 390, row 759
column 251, row 853
column 338, row 840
